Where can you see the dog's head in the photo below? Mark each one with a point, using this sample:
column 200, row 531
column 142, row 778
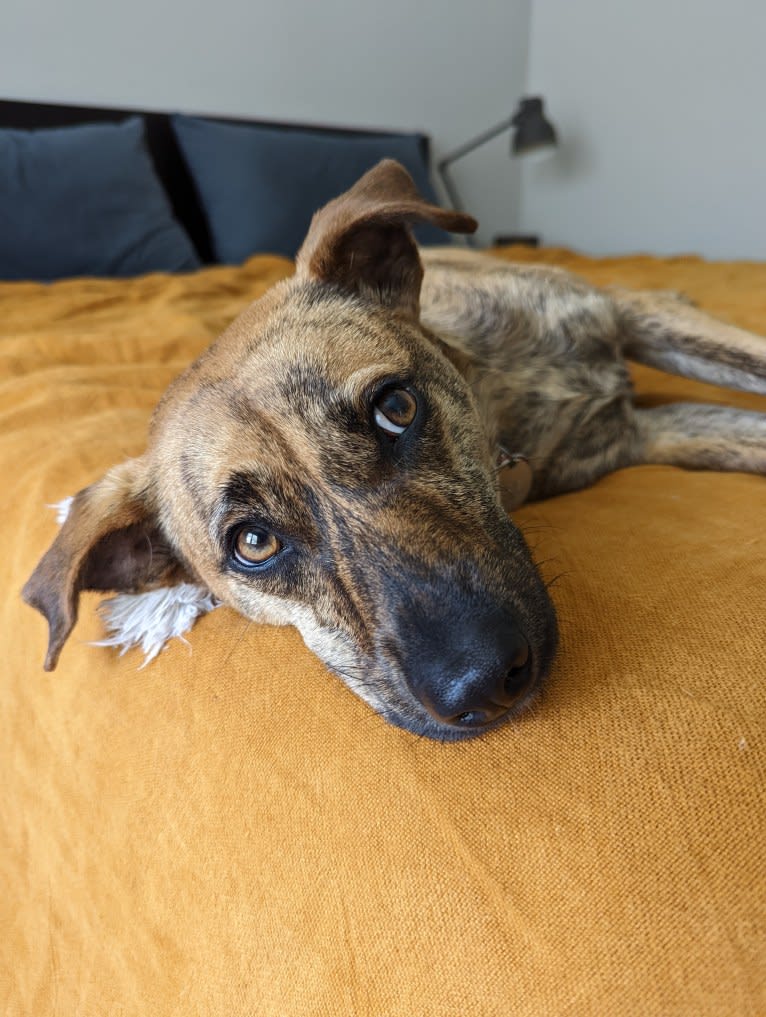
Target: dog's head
column 323, row 464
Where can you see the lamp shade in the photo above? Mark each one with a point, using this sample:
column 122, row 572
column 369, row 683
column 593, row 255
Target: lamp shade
column 532, row 130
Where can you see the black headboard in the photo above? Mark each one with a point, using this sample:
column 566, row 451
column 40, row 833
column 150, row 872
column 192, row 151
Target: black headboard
column 163, row 147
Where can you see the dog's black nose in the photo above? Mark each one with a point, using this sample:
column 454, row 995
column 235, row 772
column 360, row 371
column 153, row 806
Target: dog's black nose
column 472, row 671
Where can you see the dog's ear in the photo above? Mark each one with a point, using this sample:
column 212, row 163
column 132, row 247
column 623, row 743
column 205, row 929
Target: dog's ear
column 110, row 540
column 362, row 243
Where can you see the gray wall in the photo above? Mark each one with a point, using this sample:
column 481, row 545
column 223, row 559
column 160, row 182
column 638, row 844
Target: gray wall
column 660, row 106
column 449, row 69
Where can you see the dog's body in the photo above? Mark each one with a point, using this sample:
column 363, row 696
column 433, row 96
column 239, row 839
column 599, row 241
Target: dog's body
column 332, row 460
column 544, row 354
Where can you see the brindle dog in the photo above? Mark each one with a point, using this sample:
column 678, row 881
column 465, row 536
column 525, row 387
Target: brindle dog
column 332, row 460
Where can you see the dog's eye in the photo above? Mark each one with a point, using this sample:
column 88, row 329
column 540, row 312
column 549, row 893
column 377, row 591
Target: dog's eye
column 253, row 546
column 394, row 411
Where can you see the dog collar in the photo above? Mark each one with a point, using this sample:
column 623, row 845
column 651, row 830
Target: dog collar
column 515, row 478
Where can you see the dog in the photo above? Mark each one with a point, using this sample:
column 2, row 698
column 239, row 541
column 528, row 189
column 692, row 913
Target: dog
column 336, row 459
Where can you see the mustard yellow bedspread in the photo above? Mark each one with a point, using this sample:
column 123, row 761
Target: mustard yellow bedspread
column 230, row 831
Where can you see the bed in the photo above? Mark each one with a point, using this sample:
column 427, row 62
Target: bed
column 170, row 843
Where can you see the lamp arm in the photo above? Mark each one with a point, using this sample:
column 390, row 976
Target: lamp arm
column 458, row 153
column 476, row 142
column 450, row 188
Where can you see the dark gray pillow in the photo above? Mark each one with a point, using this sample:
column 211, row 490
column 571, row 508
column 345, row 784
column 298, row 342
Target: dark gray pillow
column 85, row 201
column 259, row 186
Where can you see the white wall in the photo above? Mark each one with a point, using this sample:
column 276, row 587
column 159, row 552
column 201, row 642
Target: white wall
column 661, row 107
column 449, row 69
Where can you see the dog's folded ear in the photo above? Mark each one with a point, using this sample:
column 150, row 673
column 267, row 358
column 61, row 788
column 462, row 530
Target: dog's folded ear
column 362, row 243
column 110, row 540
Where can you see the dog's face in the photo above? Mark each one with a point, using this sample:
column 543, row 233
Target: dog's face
column 324, row 465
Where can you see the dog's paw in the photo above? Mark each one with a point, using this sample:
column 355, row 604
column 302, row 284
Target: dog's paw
column 149, row 620
column 677, row 297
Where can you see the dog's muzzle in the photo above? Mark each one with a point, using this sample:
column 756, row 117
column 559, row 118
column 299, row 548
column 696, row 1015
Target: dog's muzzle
column 472, row 666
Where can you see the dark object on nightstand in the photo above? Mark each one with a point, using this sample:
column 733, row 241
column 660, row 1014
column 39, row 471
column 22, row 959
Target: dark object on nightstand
column 507, row 239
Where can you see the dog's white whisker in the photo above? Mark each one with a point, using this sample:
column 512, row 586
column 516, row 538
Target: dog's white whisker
column 150, row 620
column 61, row 508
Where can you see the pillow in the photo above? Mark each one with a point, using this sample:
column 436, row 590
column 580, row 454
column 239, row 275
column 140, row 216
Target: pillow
column 259, row 186
column 85, row 201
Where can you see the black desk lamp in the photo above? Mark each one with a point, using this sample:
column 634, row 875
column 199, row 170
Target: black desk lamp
column 532, row 133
